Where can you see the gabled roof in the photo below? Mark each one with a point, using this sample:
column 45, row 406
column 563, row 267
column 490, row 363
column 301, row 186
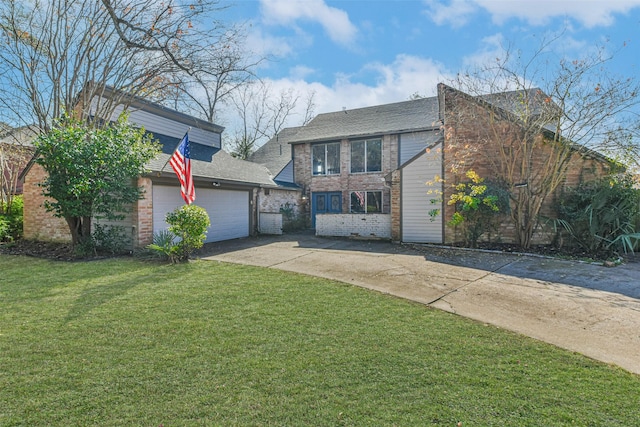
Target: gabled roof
column 221, row 166
column 406, row 116
column 513, row 101
column 22, row 136
column 275, row 154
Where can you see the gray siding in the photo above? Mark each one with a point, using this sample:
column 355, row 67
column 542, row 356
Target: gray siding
column 161, row 125
column 412, row 143
column 286, row 175
column 417, row 226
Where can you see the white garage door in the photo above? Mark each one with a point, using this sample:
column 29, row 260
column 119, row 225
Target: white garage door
column 228, row 210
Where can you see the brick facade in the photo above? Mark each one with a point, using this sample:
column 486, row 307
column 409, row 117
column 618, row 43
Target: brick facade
column 396, row 217
column 43, row 226
column 346, row 182
column 143, row 215
column 369, row 226
column 38, row 223
column 477, row 139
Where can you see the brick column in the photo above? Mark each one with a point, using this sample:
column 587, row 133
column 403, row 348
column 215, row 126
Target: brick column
column 396, row 210
column 143, row 215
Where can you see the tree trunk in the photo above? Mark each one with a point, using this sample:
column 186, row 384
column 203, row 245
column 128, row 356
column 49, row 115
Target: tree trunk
column 80, row 228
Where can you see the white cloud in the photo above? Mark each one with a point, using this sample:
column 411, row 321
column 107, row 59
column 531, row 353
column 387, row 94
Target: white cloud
column 492, row 50
column 393, row 82
column 456, row 14
column 335, row 21
column 590, row 13
column 263, row 44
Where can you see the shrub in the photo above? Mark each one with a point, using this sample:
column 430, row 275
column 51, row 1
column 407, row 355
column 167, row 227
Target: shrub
column 187, row 231
column 477, row 207
column 601, row 216
column 11, row 220
column 164, row 244
column 110, row 238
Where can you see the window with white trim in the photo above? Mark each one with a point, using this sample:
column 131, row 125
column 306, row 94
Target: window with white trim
column 366, row 202
column 366, row 156
column 325, row 159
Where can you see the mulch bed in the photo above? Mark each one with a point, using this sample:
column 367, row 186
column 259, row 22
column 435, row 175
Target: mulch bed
column 65, row 252
column 49, row 250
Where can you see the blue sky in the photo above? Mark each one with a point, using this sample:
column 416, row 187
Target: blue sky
column 355, row 53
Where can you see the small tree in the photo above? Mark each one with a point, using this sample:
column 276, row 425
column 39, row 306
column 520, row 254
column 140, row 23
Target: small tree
column 477, row 206
column 188, row 224
column 92, row 172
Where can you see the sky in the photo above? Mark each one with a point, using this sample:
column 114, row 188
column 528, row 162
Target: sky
column 357, row 53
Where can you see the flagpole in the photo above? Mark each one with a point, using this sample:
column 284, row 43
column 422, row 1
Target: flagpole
column 174, row 150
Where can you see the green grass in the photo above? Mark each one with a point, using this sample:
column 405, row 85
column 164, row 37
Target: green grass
column 123, row 342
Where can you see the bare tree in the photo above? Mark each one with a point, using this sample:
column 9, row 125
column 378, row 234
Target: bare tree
column 56, row 56
column 262, row 115
column 15, row 152
column 226, row 67
column 538, row 112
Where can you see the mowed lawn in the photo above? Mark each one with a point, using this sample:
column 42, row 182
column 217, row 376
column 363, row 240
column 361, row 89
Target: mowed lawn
column 133, row 343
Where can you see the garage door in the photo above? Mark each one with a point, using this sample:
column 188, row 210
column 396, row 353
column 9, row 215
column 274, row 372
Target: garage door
column 228, row 210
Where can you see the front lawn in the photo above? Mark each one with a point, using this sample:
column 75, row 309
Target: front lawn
column 124, row 342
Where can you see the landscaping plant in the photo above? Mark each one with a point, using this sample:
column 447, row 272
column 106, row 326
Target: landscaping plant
column 477, row 207
column 11, row 220
column 187, row 231
column 601, row 216
column 91, row 172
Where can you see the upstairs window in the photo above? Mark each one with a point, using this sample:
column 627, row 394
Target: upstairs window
column 325, row 159
column 366, row 156
column 366, row 201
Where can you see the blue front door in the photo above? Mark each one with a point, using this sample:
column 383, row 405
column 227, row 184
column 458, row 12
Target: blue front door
column 328, row 202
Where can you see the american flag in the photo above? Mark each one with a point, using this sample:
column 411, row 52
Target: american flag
column 181, row 164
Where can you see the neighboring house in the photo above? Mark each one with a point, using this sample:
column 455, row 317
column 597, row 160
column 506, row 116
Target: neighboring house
column 228, row 188
column 15, row 151
column 373, row 172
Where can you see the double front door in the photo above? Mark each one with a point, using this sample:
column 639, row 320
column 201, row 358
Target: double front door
column 325, row 202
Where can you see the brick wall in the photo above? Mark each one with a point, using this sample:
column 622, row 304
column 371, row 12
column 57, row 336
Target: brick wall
column 142, row 215
column 396, row 212
column 38, row 223
column 42, row 225
column 270, row 223
column 345, row 182
column 275, row 199
column 477, row 139
column 354, row 225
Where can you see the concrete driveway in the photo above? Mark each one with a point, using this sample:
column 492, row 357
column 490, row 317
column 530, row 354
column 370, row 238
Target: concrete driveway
column 581, row 307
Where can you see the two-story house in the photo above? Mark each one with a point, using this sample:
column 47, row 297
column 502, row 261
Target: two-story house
column 380, row 172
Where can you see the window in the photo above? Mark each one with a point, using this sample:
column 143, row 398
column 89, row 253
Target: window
column 366, row 201
column 366, row 156
column 325, row 159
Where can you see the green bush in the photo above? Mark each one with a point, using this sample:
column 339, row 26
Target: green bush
column 11, row 220
column 187, row 231
column 601, row 217
column 478, row 207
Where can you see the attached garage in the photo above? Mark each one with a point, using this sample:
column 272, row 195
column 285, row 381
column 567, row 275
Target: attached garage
column 228, row 210
column 417, row 225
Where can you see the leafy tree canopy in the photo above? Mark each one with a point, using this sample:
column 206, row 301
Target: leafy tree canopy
column 91, row 171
